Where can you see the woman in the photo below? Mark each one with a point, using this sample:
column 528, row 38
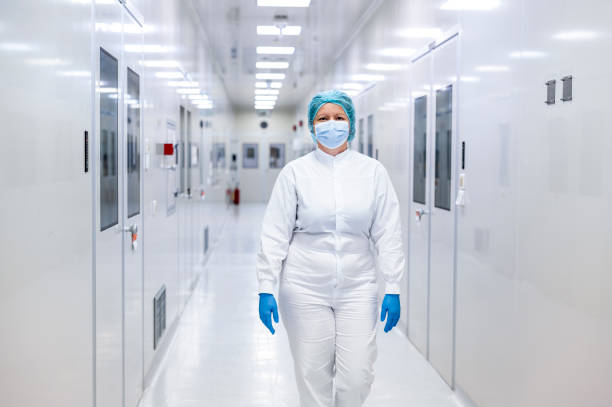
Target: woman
column 325, row 209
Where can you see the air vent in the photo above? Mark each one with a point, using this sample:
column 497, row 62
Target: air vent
column 206, row 240
column 159, row 316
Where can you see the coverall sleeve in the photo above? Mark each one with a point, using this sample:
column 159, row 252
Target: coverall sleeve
column 276, row 230
column 386, row 232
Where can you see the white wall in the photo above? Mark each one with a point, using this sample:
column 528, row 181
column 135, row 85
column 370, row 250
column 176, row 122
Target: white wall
column 46, row 349
column 533, row 321
column 256, row 183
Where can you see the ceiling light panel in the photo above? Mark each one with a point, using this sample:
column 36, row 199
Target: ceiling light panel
column 271, row 76
column 271, row 65
column 276, row 50
column 188, row 91
column 276, row 85
column 283, row 3
column 267, row 91
column 265, row 97
column 292, row 30
column 261, row 85
column 169, row 75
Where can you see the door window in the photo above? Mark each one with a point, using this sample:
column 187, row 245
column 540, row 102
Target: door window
column 419, row 184
column 133, row 143
column 444, row 128
column 109, row 127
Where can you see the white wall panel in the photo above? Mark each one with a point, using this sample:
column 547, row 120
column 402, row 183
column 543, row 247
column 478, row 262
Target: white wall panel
column 46, row 346
column 532, row 260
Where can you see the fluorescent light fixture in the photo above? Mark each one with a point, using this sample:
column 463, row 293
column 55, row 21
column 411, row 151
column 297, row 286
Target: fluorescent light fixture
column 270, row 105
column 476, row 5
column 267, row 91
column 205, row 107
column 383, row 67
column 261, row 85
column 276, row 50
column 148, row 48
column 367, row 78
column 272, row 76
column 576, row 35
column 283, row 3
column 396, row 52
column 169, row 75
column 160, row 63
column 265, row 97
column 15, row 46
column 527, row 54
column 193, row 97
column 47, row 62
column 420, row 32
column 493, row 68
column 76, row 74
column 350, row 86
column 271, row 65
column 264, row 107
column 188, row 91
column 276, row 85
column 184, row 84
column 274, row 30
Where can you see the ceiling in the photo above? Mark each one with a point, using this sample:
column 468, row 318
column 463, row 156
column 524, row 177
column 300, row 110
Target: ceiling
column 231, row 26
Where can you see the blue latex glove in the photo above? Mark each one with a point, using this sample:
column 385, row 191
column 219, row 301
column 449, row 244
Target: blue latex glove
column 390, row 308
column 267, row 306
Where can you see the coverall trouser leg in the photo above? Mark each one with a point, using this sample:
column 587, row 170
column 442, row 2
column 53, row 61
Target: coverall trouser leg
column 332, row 337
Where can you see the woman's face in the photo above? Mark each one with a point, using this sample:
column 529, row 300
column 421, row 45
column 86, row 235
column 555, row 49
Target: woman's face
column 330, row 111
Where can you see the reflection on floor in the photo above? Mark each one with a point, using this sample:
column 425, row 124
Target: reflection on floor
column 223, row 357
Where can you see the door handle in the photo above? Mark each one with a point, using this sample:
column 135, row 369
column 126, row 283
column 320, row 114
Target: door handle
column 420, row 213
column 133, row 231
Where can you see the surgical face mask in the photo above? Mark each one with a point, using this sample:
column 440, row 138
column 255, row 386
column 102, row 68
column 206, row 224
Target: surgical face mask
column 332, row 133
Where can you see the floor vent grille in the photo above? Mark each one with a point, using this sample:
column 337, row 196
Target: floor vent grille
column 159, row 316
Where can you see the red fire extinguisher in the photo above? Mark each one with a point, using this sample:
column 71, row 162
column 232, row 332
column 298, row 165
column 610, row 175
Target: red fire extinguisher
column 236, row 195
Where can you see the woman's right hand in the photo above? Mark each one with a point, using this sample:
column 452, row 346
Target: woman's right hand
column 267, row 306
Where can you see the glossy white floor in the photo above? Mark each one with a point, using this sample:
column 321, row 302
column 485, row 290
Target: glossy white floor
column 223, row 357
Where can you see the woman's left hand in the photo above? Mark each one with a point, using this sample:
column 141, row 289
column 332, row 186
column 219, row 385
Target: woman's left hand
column 391, row 308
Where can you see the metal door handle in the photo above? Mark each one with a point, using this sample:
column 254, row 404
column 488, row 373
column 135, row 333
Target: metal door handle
column 420, row 213
column 131, row 229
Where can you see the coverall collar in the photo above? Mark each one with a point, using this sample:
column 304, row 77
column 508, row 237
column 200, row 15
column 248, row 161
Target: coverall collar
column 329, row 159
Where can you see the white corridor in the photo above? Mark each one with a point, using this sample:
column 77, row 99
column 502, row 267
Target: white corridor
column 223, row 357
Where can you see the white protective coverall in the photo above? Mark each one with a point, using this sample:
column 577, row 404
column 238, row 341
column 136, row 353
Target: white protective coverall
column 315, row 242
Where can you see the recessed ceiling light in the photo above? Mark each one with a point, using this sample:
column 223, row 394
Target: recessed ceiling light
column 261, row 85
column 276, row 85
column 576, row 35
column 267, row 91
column 271, row 65
column 265, row 97
column 383, row 67
column 184, row 84
column 264, row 107
column 188, row 91
column 160, row 64
column 493, row 68
column 396, row 52
column 169, row 75
column 274, row 30
column 148, row 48
column 368, row 78
column 470, row 5
column 283, row 3
column 276, row 50
column 420, row 32
column 273, row 76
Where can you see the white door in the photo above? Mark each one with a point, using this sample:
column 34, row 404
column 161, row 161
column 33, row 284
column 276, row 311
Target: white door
column 133, row 277
column 275, row 160
column 109, row 195
column 418, row 298
column 118, row 204
column 442, row 219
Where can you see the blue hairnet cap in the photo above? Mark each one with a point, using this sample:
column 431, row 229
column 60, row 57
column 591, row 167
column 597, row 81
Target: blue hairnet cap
column 332, row 96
